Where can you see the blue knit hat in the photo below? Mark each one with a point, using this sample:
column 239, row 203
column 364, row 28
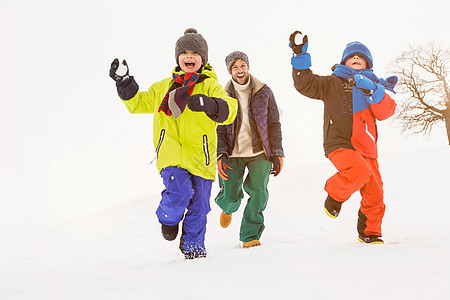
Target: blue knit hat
column 357, row 48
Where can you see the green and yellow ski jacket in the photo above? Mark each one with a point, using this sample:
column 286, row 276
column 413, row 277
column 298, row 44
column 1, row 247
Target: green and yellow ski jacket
column 190, row 141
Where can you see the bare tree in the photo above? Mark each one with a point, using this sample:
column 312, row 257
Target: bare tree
column 424, row 79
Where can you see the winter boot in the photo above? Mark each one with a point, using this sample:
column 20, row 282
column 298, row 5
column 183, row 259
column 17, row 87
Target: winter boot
column 254, row 243
column 370, row 239
column 332, row 207
column 194, row 255
column 225, row 219
column 196, row 252
column 169, row 232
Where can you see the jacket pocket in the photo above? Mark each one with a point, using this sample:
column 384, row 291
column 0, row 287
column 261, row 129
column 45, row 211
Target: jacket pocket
column 161, row 138
column 372, row 136
column 205, row 149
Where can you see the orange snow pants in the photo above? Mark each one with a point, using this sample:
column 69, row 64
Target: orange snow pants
column 358, row 173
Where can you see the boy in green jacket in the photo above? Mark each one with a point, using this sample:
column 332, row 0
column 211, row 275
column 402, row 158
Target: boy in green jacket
column 187, row 108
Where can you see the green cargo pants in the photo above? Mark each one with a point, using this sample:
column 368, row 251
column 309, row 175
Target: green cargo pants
column 255, row 185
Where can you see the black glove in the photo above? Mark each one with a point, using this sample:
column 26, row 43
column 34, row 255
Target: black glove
column 303, row 47
column 200, row 102
column 127, row 87
column 113, row 71
column 222, row 165
column 277, row 162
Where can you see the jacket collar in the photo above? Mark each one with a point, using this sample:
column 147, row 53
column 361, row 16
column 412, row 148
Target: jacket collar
column 255, row 86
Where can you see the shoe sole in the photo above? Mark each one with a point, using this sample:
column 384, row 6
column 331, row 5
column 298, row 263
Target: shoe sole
column 330, row 215
column 251, row 244
column 377, row 242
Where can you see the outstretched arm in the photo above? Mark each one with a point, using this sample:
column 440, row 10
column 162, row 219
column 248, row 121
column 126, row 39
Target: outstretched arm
column 305, row 82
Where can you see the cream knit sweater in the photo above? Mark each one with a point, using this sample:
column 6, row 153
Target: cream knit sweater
column 243, row 146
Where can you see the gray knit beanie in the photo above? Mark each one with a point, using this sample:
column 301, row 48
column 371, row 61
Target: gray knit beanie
column 193, row 41
column 233, row 56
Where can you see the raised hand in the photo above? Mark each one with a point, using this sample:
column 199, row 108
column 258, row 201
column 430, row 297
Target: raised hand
column 119, row 72
column 298, row 48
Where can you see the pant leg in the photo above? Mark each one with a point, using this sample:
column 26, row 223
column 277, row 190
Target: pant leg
column 255, row 185
column 353, row 173
column 175, row 198
column 372, row 207
column 230, row 194
column 194, row 223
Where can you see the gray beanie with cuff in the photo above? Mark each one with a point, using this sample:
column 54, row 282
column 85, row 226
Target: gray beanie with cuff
column 233, row 56
column 193, row 41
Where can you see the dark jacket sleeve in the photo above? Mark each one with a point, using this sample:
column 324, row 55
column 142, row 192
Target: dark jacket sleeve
column 222, row 140
column 127, row 89
column 309, row 84
column 222, row 110
column 274, row 125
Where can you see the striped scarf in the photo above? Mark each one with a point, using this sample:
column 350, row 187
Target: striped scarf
column 175, row 100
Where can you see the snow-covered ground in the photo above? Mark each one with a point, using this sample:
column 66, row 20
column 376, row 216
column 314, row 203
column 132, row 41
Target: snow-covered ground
column 77, row 198
column 119, row 253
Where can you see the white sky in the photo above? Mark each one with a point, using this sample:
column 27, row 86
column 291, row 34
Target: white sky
column 65, row 132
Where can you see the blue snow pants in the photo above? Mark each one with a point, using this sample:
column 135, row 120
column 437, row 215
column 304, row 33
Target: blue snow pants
column 185, row 191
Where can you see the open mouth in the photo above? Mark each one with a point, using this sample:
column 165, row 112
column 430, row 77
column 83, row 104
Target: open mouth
column 189, row 64
column 356, row 63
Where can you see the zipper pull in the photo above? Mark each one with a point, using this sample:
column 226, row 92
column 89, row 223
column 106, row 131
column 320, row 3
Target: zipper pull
column 152, row 160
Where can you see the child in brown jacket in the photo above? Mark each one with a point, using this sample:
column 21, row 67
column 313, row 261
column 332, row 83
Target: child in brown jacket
column 354, row 99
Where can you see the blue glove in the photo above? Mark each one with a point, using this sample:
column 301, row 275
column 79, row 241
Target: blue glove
column 364, row 83
column 300, row 60
column 373, row 90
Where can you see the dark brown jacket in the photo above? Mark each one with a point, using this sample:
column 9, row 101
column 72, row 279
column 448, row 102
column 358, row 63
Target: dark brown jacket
column 344, row 126
column 264, row 121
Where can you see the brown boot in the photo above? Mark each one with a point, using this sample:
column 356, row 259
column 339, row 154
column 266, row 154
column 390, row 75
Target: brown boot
column 225, row 219
column 250, row 244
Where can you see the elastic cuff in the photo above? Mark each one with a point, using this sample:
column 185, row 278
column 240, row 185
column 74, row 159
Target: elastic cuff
column 127, row 89
column 277, row 152
column 301, row 61
column 222, row 111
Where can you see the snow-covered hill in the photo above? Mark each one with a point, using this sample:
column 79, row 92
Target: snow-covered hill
column 70, row 149
column 118, row 253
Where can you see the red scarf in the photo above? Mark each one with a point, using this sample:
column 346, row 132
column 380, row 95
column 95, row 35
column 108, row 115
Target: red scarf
column 175, row 100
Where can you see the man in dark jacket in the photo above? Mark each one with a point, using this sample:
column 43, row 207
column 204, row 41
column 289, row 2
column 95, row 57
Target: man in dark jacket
column 253, row 141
